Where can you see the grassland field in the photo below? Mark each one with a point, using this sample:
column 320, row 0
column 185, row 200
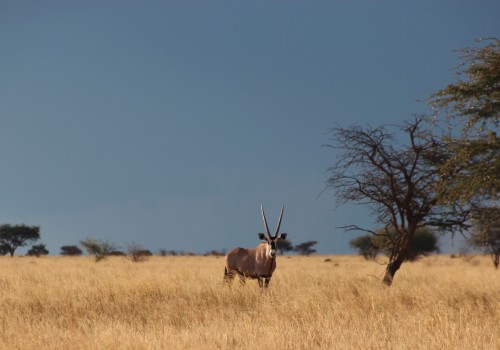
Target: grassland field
column 181, row 303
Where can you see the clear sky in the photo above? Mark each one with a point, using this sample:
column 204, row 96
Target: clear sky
column 168, row 123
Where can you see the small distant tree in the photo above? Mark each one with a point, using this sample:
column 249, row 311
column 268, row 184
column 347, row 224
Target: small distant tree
column 37, row 250
column 365, row 246
column 305, row 248
column 215, row 253
column 285, row 245
column 137, row 253
column 70, row 250
column 98, row 249
column 163, row 252
column 15, row 236
column 486, row 231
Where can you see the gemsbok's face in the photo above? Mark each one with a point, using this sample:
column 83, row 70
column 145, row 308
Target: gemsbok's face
column 272, row 241
column 272, row 244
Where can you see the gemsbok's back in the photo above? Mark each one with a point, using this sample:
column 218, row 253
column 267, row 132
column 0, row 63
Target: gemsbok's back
column 257, row 263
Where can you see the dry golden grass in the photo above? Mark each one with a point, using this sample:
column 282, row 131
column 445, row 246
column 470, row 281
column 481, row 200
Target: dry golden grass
column 181, row 303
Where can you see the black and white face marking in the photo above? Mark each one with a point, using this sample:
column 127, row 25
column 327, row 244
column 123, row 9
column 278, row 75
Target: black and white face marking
column 271, row 247
column 272, row 244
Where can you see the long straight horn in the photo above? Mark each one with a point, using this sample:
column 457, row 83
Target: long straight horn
column 279, row 222
column 265, row 221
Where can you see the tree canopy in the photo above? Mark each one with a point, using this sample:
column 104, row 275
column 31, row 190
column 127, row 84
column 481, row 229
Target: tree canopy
column 70, row 250
column 471, row 105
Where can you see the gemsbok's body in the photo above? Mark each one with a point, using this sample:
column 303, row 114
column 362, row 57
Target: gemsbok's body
column 257, row 263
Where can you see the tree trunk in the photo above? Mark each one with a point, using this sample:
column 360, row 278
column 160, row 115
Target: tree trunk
column 397, row 257
column 391, row 270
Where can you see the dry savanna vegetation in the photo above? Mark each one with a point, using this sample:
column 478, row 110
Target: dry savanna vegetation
column 181, row 303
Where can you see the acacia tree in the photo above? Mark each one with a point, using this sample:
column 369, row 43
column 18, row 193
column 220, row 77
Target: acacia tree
column 306, row 248
column 15, row 236
column 400, row 183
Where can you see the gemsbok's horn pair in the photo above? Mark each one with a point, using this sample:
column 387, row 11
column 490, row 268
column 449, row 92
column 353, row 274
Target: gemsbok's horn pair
column 257, row 263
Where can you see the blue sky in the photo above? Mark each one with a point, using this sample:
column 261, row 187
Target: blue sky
column 168, row 123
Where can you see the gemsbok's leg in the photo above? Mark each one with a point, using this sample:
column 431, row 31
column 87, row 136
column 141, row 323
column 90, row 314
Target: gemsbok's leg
column 268, row 279
column 228, row 276
column 242, row 279
column 261, row 282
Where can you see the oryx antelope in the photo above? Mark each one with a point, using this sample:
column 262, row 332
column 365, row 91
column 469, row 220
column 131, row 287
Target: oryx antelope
column 259, row 262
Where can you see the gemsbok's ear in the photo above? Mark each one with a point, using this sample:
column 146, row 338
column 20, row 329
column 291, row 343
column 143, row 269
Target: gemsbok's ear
column 262, row 236
column 283, row 235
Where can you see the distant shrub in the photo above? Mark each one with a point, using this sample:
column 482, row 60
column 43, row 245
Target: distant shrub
column 99, row 249
column 215, row 253
column 116, row 253
column 70, row 250
column 38, row 250
column 137, row 253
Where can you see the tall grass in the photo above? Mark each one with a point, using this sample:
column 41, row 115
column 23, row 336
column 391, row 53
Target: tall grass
column 181, row 303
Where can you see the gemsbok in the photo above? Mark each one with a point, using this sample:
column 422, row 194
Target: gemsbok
column 257, row 263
